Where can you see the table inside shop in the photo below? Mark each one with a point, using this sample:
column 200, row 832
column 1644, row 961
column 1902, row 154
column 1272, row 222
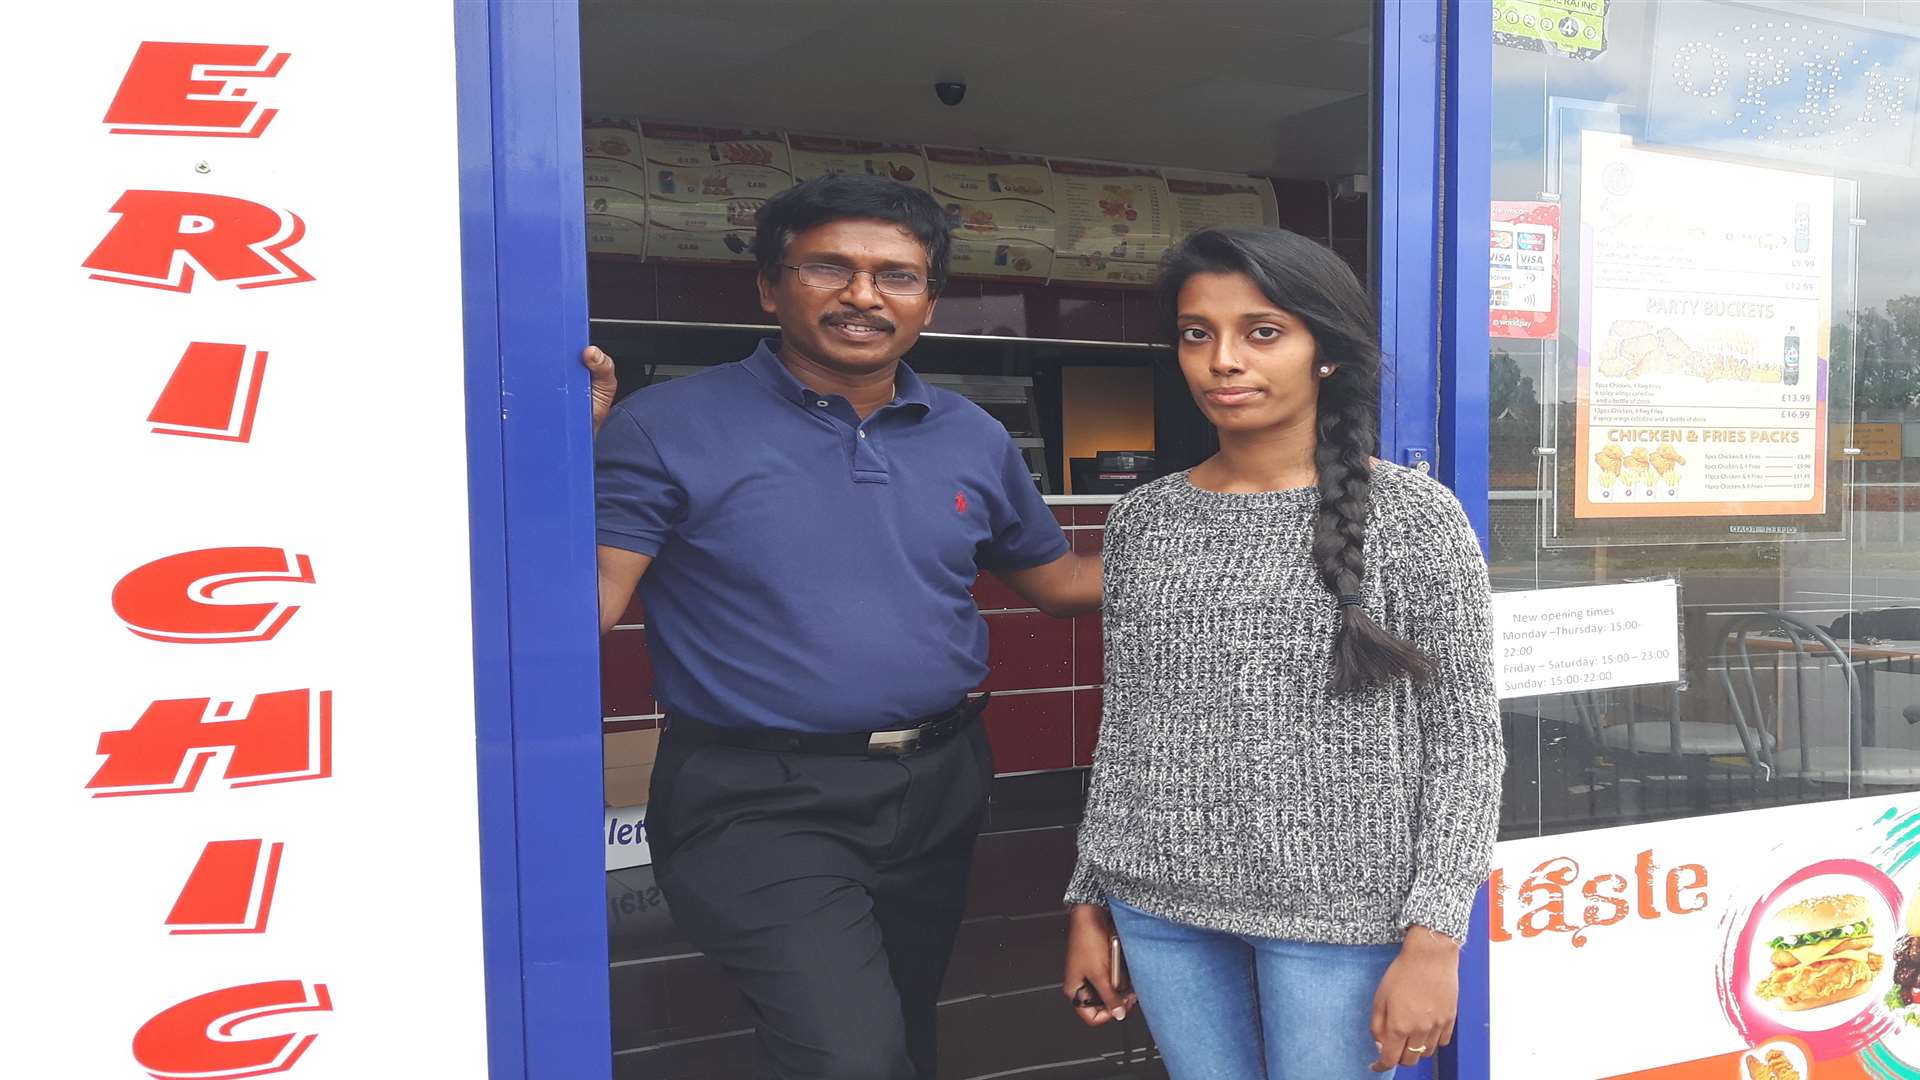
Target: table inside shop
column 1874, row 657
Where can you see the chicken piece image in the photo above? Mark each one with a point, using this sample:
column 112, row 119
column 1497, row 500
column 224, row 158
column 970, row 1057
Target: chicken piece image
column 1628, row 358
column 1638, row 468
column 1666, row 464
column 1671, row 351
column 1774, row 1066
column 1608, row 461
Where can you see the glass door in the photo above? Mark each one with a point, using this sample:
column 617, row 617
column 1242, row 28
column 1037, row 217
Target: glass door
column 1704, row 419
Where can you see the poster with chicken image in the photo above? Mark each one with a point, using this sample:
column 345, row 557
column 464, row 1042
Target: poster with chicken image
column 616, row 177
column 1000, row 208
column 1706, row 293
column 704, row 186
column 1115, row 222
column 822, row 155
column 1205, row 200
column 1778, row 944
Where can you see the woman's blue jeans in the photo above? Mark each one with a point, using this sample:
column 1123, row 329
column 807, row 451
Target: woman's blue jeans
column 1229, row 1007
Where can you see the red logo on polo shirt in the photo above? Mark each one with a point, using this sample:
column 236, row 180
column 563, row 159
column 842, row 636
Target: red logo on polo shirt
column 960, row 503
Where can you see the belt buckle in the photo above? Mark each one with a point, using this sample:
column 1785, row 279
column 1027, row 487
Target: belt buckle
column 894, row 743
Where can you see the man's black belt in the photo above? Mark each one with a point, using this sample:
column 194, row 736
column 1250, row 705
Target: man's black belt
column 891, row 742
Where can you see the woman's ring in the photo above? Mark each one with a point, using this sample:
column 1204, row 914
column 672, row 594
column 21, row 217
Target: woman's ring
column 1416, row 1049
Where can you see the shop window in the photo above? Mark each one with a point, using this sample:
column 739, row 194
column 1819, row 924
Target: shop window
column 1706, row 372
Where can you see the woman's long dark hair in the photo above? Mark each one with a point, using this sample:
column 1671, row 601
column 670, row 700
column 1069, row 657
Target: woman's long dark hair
column 1311, row 282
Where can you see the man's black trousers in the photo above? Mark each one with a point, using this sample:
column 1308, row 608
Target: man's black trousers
column 829, row 886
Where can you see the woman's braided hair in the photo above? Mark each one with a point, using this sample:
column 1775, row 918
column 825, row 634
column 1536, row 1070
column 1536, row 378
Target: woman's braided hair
column 1311, row 282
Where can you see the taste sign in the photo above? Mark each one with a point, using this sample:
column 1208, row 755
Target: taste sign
column 1680, row 932
column 242, row 656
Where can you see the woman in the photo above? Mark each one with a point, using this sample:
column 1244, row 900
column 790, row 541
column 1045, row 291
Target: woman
column 1293, row 800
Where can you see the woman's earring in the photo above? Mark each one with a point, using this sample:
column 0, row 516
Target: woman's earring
column 1326, row 370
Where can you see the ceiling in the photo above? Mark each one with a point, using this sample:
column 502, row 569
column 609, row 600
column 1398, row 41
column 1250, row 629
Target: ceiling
column 1278, row 87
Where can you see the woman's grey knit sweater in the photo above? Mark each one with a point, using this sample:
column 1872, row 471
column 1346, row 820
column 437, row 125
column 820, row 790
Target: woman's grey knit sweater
column 1232, row 789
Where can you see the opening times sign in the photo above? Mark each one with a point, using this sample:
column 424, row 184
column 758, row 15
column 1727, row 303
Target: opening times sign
column 1703, row 346
column 1587, row 637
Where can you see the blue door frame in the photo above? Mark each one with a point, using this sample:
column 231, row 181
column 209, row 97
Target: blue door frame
column 1433, row 153
column 536, row 647
column 530, row 480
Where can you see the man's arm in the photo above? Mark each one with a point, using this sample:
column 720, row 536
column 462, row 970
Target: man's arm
column 1065, row 587
column 620, row 571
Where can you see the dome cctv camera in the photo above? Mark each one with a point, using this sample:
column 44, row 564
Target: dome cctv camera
column 951, row 93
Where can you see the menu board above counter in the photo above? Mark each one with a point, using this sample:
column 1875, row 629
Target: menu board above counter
column 1001, row 210
column 684, row 192
column 616, row 187
column 1204, row 200
column 820, row 155
column 1115, row 222
column 704, row 186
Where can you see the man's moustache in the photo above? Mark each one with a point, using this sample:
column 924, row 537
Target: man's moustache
column 842, row 320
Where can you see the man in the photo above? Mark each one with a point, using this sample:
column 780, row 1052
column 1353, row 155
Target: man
column 804, row 526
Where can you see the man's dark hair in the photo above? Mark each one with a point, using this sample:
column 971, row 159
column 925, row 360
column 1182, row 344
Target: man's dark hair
column 851, row 196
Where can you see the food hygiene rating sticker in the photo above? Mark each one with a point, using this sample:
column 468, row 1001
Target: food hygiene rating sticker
column 1575, row 28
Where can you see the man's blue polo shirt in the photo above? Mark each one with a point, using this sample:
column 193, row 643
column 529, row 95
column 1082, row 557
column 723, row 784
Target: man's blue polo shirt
column 811, row 571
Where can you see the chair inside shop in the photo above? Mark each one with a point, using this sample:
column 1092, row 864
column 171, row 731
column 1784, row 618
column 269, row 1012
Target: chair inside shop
column 1663, row 761
column 1778, row 675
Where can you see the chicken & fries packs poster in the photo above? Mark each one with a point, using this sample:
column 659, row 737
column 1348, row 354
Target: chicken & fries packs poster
column 1706, row 305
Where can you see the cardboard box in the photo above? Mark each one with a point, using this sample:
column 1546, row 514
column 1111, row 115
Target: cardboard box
column 629, row 757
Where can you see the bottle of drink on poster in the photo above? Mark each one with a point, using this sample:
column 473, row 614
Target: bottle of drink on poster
column 1802, row 228
column 1790, row 358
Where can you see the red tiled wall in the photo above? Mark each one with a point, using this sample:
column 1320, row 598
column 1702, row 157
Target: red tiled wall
column 1045, row 672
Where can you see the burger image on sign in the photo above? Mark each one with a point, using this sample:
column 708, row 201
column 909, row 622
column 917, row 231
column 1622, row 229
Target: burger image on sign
column 1822, row 953
column 1904, row 998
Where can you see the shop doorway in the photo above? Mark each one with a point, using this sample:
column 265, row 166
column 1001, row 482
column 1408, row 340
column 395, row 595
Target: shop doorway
column 1070, row 143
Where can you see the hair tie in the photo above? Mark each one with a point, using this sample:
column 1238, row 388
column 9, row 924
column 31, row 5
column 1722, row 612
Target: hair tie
column 1351, row 600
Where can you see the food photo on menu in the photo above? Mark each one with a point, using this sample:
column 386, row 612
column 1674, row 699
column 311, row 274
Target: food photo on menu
column 1904, row 997
column 1776, row 956
column 1772, row 1063
column 1823, row 953
column 1822, row 974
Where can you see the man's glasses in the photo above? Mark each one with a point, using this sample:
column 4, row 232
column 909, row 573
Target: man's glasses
column 832, row 276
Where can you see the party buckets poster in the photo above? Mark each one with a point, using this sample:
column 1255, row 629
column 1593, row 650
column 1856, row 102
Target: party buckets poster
column 1706, row 301
column 1778, row 944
